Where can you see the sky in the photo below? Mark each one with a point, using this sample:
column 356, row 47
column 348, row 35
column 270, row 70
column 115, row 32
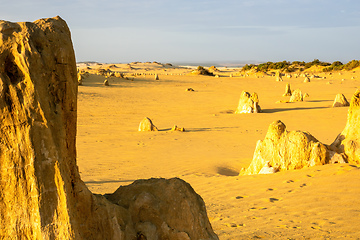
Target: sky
column 118, row 31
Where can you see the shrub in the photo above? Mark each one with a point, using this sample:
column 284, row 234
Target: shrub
column 247, row 67
column 202, row 71
column 316, row 62
column 352, row 64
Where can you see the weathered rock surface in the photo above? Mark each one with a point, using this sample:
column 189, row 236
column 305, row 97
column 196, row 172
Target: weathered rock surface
column 296, row 96
column 340, row 101
column 278, row 77
column 287, row 90
column 248, row 103
column 147, row 125
column 42, row 195
column 157, row 205
column 176, row 128
column 348, row 141
column 286, row 150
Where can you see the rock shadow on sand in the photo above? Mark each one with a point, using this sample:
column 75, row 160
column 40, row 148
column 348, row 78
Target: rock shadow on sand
column 109, row 181
column 275, row 110
column 227, row 171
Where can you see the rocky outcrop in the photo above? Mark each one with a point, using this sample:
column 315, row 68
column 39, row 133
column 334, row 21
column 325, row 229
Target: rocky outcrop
column 340, row 101
column 146, row 125
column 348, row 141
column 287, row 90
column 42, row 195
column 296, row 96
column 157, row 205
column 286, row 150
column 248, row 103
column 278, row 77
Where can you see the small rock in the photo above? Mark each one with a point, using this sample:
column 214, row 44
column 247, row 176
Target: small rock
column 146, row 125
column 340, row 101
column 176, row 128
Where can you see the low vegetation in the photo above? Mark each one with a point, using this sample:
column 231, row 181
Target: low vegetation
column 202, row 71
column 286, row 66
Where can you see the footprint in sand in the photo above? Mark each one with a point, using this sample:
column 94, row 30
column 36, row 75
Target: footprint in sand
column 274, row 199
column 241, row 197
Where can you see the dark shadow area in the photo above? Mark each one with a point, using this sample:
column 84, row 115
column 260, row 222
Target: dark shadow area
column 227, row 112
column 109, row 181
column 226, row 171
column 273, row 200
column 318, row 101
column 198, row 129
column 354, row 166
column 208, row 129
column 289, row 109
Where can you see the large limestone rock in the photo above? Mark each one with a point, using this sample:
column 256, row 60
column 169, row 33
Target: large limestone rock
column 340, row 101
column 156, row 205
column 348, row 141
column 42, row 195
column 248, row 103
column 286, row 150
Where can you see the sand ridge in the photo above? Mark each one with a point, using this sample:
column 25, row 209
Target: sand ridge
column 317, row 202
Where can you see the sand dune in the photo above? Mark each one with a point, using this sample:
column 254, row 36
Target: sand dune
column 318, row 202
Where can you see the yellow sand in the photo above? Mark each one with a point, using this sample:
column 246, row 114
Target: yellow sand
column 317, row 203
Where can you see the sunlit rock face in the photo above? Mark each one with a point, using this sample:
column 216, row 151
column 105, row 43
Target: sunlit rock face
column 248, row 103
column 286, row 150
column 340, row 101
column 348, row 141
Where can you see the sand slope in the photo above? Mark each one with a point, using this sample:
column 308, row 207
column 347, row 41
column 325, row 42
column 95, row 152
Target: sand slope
column 320, row 202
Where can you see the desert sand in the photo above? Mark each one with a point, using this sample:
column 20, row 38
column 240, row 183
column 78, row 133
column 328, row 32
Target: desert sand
column 318, row 202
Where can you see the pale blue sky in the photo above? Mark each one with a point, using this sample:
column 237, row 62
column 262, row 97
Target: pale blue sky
column 204, row 30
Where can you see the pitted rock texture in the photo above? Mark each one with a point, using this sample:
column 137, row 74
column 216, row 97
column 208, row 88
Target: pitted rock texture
column 286, row 150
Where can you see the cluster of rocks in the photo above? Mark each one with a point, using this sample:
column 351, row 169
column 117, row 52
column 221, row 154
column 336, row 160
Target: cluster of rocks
column 42, row 195
column 286, row 150
column 146, row 125
column 295, row 96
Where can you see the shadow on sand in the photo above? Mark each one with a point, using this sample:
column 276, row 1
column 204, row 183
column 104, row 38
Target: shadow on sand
column 274, row 110
column 109, row 181
column 226, row 171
